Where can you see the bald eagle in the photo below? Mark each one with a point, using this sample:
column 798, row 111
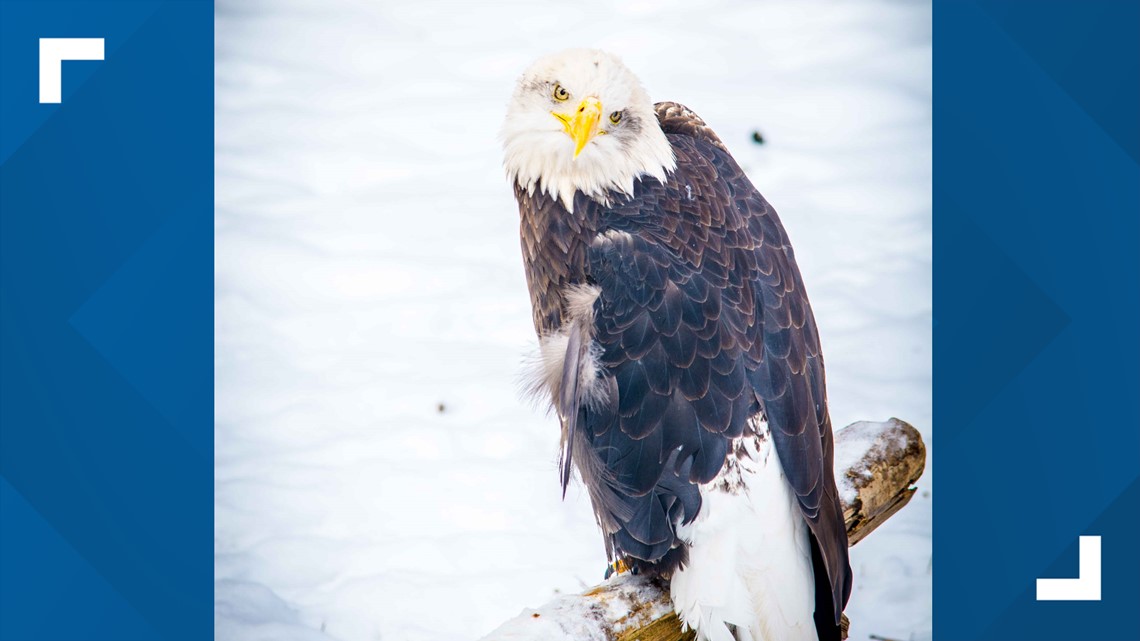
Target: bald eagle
column 678, row 347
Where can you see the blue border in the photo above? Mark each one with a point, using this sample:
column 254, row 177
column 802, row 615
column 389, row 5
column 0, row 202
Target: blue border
column 1037, row 315
column 106, row 309
column 106, row 240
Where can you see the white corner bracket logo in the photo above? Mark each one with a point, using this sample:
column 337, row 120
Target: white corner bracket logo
column 53, row 51
column 1086, row 587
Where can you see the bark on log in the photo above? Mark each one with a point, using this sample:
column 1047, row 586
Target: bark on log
column 876, row 465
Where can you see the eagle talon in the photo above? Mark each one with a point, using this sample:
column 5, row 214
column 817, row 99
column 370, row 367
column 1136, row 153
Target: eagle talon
column 619, row 567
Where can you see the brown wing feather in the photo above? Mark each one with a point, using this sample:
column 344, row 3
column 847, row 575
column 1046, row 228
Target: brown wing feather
column 789, row 371
column 676, row 118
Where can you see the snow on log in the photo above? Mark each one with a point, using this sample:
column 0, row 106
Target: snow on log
column 876, row 465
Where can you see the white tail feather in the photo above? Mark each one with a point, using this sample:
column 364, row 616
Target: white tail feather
column 750, row 558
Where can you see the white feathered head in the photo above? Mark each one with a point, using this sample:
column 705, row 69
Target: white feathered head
column 579, row 120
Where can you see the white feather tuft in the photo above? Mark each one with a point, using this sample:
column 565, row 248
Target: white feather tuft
column 542, row 371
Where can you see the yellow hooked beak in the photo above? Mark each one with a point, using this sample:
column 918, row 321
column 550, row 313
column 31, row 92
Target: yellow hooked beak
column 582, row 124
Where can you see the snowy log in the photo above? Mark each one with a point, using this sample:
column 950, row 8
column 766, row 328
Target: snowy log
column 876, row 466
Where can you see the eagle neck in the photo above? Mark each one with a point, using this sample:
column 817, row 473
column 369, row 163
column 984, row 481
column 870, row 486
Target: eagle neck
column 554, row 244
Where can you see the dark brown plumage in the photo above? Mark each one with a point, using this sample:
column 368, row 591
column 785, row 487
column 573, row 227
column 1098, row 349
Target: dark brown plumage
column 703, row 322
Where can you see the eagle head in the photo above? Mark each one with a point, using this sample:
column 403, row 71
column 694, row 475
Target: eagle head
column 580, row 121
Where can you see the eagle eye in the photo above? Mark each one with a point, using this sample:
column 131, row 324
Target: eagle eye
column 615, row 117
column 560, row 93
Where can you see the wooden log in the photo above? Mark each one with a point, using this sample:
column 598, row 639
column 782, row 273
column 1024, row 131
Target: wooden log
column 876, row 465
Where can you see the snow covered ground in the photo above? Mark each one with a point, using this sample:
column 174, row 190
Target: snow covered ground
column 377, row 475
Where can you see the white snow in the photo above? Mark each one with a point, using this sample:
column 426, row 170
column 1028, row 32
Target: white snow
column 368, row 274
column 578, row 618
column 858, row 443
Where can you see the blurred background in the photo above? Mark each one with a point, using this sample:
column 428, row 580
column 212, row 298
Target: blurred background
column 378, row 475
